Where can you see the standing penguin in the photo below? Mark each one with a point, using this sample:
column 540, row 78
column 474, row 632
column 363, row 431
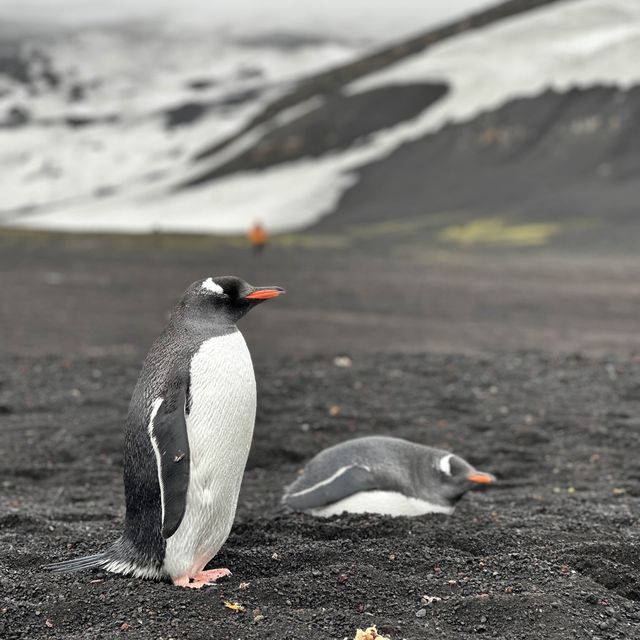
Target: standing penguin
column 379, row 474
column 188, row 435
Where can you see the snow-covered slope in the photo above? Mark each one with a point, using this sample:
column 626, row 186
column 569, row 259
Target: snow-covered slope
column 272, row 172
column 85, row 111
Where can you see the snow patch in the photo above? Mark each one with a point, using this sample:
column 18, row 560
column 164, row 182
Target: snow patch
column 572, row 44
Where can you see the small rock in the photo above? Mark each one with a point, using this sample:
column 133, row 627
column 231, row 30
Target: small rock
column 421, row 613
column 257, row 615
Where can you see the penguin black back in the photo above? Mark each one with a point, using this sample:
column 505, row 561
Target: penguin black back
column 170, row 413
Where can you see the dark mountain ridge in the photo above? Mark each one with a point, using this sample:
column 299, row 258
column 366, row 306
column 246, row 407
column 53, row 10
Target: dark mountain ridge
column 332, row 81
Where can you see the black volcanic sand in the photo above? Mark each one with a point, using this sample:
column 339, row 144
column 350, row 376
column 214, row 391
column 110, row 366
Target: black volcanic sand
column 369, row 288
column 550, row 552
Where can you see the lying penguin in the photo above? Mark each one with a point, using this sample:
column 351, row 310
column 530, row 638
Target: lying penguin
column 187, row 439
column 383, row 475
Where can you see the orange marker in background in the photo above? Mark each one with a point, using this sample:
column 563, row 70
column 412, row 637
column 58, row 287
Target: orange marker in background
column 257, row 237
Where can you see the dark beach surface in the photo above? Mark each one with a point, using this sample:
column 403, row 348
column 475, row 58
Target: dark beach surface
column 523, row 360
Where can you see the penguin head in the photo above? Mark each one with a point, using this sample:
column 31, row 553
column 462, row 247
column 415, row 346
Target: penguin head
column 224, row 299
column 456, row 476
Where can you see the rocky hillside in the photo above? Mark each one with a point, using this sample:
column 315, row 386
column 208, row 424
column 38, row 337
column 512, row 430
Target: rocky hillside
column 523, row 114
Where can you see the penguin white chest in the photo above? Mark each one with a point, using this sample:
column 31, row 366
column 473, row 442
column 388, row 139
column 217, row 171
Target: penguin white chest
column 386, row 503
column 220, row 428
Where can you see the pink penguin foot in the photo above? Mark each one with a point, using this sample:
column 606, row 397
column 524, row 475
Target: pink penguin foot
column 212, row 575
column 201, row 579
column 188, row 583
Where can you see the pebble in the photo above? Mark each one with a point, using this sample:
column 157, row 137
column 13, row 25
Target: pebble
column 421, row 613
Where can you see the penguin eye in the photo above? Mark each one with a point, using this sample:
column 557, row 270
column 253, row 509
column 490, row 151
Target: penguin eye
column 458, row 467
column 452, row 466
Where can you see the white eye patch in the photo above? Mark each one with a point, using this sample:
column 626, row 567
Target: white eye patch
column 210, row 285
column 444, row 464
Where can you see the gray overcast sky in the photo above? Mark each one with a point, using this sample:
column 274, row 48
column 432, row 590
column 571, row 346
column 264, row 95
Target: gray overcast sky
column 379, row 19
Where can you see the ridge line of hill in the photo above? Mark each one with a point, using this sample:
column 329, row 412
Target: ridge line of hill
column 329, row 81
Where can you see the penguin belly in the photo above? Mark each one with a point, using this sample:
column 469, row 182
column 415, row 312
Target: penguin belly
column 388, row 503
column 219, row 427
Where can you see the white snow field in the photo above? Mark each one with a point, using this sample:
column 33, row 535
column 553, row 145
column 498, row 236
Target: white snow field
column 133, row 78
column 578, row 43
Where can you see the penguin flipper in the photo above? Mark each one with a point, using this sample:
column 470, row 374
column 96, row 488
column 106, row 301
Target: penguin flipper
column 343, row 483
column 168, row 431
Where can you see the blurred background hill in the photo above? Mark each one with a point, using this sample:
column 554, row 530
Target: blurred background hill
column 461, row 121
column 117, row 103
column 478, row 161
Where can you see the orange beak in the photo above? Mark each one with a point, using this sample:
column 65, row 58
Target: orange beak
column 265, row 293
column 481, row 478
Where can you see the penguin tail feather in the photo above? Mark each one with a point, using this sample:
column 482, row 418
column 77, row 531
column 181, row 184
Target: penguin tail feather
column 79, row 564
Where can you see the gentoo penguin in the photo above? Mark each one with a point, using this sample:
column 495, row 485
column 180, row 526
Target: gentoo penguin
column 187, row 439
column 383, row 475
